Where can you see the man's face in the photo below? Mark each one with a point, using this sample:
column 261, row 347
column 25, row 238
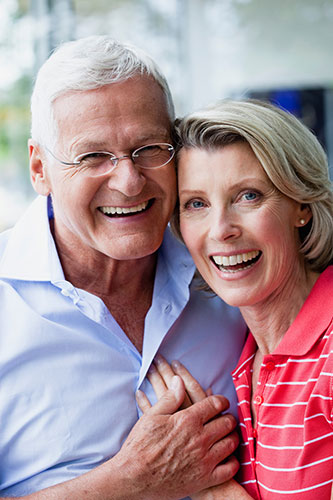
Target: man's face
column 118, row 118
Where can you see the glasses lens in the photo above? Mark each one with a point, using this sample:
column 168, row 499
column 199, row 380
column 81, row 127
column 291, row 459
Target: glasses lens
column 95, row 163
column 153, row 155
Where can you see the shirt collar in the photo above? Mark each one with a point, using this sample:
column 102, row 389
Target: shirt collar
column 310, row 323
column 175, row 261
column 31, row 254
column 312, row 320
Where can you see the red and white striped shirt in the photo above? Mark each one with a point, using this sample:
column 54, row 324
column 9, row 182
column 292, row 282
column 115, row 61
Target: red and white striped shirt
column 290, row 452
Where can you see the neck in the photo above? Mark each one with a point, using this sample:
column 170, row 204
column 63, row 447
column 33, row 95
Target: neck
column 110, row 277
column 125, row 286
column 269, row 320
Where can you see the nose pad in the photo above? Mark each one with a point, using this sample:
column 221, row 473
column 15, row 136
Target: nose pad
column 115, row 161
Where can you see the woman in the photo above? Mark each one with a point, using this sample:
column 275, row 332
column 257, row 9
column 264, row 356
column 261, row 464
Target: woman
column 256, row 212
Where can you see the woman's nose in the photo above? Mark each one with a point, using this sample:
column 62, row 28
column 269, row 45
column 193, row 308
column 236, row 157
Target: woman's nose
column 224, row 226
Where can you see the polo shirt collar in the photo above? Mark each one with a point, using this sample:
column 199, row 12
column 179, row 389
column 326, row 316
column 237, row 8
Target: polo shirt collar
column 310, row 323
column 312, row 320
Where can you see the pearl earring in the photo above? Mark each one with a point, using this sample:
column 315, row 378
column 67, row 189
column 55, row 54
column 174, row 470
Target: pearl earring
column 302, row 222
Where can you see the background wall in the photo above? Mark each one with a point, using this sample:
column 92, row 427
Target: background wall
column 208, row 49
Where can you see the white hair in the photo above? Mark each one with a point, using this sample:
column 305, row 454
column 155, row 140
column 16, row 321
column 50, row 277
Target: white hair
column 86, row 64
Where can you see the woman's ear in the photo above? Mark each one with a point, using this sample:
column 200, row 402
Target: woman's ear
column 304, row 215
column 38, row 175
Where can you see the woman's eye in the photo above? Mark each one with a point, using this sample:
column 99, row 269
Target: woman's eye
column 250, row 196
column 194, row 204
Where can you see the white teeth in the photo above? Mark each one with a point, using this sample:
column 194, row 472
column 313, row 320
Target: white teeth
column 218, row 259
column 124, row 210
column 232, row 260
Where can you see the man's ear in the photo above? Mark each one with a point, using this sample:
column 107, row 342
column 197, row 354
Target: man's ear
column 38, row 174
column 304, row 215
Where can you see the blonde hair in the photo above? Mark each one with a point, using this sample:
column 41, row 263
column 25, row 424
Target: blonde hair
column 290, row 154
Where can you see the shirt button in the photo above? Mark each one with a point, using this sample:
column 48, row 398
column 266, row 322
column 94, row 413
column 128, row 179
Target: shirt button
column 168, row 308
column 258, row 400
column 254, row 433
column 270, row 366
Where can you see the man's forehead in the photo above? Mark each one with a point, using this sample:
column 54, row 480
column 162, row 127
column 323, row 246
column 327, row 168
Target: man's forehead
column 114, row 102
column 131, row 89
column 96, row 121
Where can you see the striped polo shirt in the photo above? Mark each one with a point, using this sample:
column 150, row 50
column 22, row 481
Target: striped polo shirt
column 290, row 452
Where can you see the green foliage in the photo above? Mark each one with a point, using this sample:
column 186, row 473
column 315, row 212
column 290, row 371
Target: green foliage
column 14, row 127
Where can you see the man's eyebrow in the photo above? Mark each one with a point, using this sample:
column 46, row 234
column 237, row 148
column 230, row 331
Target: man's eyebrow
column 90, row 146
column 161, row 135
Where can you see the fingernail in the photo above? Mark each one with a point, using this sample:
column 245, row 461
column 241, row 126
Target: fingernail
column 138, row 395
column 217, row 403
column 174, row 383
column 152, row 369
column 175, row 364
column 158, row 359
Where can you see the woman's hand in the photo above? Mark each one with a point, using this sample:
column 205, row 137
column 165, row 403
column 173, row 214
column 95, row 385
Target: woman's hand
column 230, row 490
column 161, row 374
column 164, row 377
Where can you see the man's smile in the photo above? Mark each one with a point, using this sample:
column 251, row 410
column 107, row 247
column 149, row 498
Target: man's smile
column 115, row 211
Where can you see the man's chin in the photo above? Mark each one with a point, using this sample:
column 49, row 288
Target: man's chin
column 135, row 248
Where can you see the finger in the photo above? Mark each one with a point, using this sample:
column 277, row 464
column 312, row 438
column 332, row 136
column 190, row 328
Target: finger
column 208, row 408
column 166, row 372
column 223, row 448
column 164, row 369
column 192, row 386
column 225, row 471
column 157, row 381
column 221, row 427
column 171, row 399
column 142, row 401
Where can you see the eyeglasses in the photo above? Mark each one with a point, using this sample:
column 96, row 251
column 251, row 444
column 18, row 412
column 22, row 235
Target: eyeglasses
column 96, row 163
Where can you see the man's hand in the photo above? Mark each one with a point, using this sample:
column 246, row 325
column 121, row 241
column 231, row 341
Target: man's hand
column 180, row 453
column 168, row 454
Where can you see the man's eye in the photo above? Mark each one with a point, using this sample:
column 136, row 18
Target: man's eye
column 149, row 151
column 91, row 157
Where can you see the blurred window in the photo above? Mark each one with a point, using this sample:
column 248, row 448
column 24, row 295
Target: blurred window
column 208, row 49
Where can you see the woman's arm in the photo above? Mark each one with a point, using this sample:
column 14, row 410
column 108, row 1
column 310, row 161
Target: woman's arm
column 230, row 490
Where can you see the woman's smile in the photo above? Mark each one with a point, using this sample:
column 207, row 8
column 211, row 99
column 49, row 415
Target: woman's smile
column 240, row 230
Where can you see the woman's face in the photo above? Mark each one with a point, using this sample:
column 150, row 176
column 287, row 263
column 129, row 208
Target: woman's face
column 241, row 231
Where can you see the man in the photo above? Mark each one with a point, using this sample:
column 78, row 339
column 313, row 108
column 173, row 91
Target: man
column 91, row 288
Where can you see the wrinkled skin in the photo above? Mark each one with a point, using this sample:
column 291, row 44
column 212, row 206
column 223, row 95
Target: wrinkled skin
column 167, row 455
column 162, row 377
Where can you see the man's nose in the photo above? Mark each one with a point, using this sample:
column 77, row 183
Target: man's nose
column 126, row 177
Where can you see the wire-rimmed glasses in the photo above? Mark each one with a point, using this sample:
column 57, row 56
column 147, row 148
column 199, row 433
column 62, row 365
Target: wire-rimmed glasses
column 95, row 163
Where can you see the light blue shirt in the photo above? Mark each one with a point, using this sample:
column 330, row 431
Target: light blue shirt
column 68, row 373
